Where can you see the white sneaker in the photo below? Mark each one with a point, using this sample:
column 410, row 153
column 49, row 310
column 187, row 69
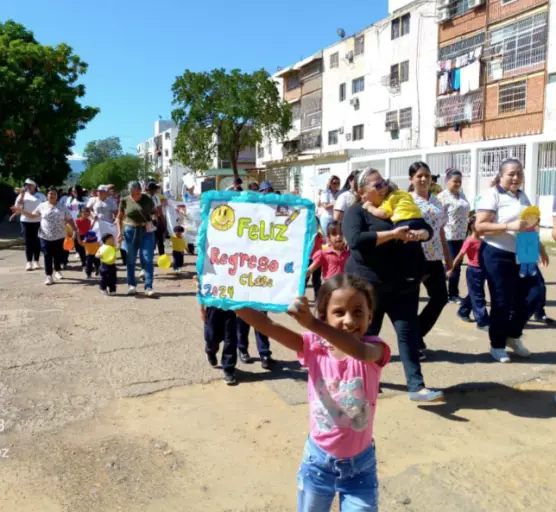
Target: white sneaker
column 518, row 347
column 36, row 265
column 104, row 292
column 426, row 395
column 500, row 355
column 58, row 276
column 142, row 274
column 132, row 290
column 150, row 293
column 49, row 281
column 28, row 266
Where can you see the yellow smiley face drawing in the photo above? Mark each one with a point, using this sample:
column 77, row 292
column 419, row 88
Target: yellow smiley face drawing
column 222, row 218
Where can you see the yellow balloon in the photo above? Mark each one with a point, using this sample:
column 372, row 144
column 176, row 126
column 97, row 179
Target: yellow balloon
column 164, row 261
column 108, row 255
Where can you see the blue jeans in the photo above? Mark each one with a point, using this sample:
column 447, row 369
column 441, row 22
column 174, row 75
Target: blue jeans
column 138, row 240
column 322, row 475
column 475, row 300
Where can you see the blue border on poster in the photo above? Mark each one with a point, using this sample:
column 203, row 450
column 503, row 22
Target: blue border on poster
column 289, row 200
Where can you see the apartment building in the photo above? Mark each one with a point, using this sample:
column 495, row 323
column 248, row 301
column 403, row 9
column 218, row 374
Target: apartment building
column 492, row 69
column 367, row 93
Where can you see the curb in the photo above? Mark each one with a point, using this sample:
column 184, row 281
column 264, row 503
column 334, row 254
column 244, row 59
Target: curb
column 8, row 244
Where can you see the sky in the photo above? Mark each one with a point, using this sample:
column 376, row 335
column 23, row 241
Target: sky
column 136, row 48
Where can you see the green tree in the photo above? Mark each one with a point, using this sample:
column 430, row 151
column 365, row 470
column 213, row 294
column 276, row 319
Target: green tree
column 97, row 151
column 117, row 171
column 221, row 113
column 39, row 109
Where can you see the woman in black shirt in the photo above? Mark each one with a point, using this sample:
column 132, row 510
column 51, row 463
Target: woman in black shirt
column 380, row 254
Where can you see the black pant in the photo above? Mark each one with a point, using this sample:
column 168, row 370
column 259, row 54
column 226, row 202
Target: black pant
column 160, row 236
column 108, row 277
column 32, row 243
column 536, row 297
column 475, row 300
column 435, row 283
column 79, row 249
column 178, row 259
column 316, row 280
column 191, row 248
column 92, row 262
column 508, row 294
column 413, row 268
column 453, row 281
column 53, row 251
column 263, row 344
column 220, row 325
column 402, row 306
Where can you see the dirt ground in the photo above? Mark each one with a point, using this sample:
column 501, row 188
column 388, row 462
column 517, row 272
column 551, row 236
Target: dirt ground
column 102, row 415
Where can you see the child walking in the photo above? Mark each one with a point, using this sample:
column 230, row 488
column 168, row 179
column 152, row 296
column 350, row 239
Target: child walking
column 316, row 276
column 90, row 246
column 333, row 259
column 108, row 275
column 475, row 300
column 84, row 225
column 178, row 248
column 344, row 368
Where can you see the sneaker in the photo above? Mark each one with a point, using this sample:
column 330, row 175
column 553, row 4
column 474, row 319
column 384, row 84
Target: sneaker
column 49, row 281
column 104, row 292
column 267, row 362
column 65, row 266
column 58, row 276
column 111, row 294
column 36, row 265
column 83, row 268
column 518, row 347
column 28, row 266
column 142, row 274
column 149, row 292
column 244, row 357
column 427, row 395
column 484, row 328
column 455, row 300
column 500, row 355
column 97, row 272
column 546, row 320
column 464, row 318
column 212, row 359
column 422, row 354
column 230, row 378
column 89, row 276
column 132, row 290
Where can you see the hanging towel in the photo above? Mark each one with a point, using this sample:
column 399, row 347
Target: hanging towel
column 464, row 80
column 478, row 52
column 443, row 85
column 473, row 74
column 457, row 79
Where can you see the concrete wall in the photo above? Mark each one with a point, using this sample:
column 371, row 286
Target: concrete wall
column 550, row 100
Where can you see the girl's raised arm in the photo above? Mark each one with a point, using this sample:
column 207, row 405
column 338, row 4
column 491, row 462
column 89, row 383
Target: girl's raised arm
column 266, row 326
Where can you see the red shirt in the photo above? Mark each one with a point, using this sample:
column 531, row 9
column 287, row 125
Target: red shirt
column 318, row 245
column 470, row 248
column 332, row 263
column 84, row 226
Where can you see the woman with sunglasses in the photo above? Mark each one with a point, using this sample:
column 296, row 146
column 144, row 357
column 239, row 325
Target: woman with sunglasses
column 380, row 255
column 327, row 200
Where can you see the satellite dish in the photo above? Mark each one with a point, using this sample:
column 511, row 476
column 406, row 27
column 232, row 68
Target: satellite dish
column 341, row 32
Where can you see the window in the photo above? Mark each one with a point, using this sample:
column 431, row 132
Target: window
column 165, row 152
column 310, row 140
column 405, row 118
column 296, row 110
column 167, row 136
column 459, row 109
column 292, row 82
column 333, row 137
column 400, row 26
column 358, row 132
column 342, row 91
column 551, row 78
column 391, row 117
column 404, row 71
column 506, row 2
column 260, row 151
column 512, row 97
column 311, row 70
column 395, row 74
column 311, row 110
column 360, row 45
column 395, row 28
column 334, row 60
column 452, row 51
column 358, row 85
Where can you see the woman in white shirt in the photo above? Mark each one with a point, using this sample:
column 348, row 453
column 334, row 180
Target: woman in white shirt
column 52, row 218
column 348, row 196
column 29, row 198
column 498, row 221
column 327, row 201
column 456, row 208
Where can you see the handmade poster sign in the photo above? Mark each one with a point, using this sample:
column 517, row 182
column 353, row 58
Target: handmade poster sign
column 528, row 242
column 253, row 249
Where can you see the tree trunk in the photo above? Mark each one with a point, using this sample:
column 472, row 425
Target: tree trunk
column 234, row 159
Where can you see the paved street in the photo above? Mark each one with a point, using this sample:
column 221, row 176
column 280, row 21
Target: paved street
column 85, row 430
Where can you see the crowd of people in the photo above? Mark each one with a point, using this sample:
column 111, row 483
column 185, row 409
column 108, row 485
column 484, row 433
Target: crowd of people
column 375, row 247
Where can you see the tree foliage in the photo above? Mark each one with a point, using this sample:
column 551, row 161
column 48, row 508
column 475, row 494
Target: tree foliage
column 223, row 113
column 117, row 171
column 39, row 109
column 97, row 151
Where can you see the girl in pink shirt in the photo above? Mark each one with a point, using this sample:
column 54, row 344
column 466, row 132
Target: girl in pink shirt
column 344, row 368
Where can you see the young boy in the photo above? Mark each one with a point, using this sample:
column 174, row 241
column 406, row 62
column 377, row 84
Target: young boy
column 91, row 246
column 220, row 325
column 84, row 225
column 108, row 275
column 333, row 259
column 178, row 248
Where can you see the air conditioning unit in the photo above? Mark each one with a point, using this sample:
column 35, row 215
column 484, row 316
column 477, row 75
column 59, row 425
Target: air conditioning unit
column 443, row 14
column 443, row 3
column 392, row 126
column 475, row 3
column 349, row 56
column 341, row 130
column 354, row 102
column 348, row 136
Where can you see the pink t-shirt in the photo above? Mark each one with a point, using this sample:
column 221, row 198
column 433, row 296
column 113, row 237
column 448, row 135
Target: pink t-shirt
column 342, row 397
column 331, row 262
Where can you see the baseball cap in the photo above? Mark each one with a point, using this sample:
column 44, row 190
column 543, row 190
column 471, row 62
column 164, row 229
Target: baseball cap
column 102, row 188
column 29, row 181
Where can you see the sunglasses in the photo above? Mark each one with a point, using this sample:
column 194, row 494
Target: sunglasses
column 382, row 184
